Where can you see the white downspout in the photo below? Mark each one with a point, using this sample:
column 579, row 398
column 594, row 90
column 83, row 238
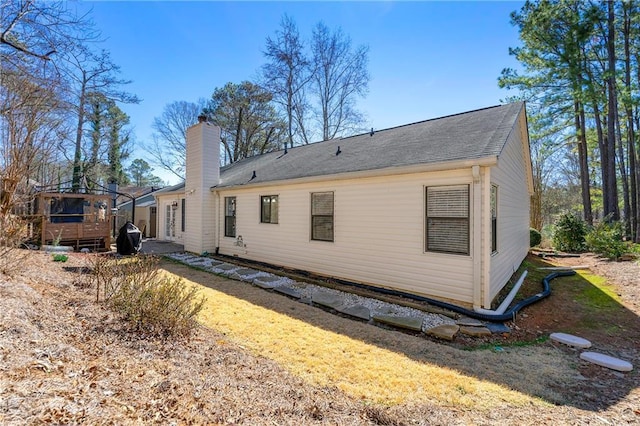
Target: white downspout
column 477, row 237
column 218, row 209
column 507, row 301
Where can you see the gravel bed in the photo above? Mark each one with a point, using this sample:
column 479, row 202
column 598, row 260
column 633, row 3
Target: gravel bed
column 306, row 290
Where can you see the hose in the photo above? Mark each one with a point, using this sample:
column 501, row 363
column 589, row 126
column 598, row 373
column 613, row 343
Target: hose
column 507, row 316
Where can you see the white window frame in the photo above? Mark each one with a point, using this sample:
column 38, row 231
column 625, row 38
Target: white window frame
column 230, row 217
column 320, row 217
column 448, row 211
column 273, row 209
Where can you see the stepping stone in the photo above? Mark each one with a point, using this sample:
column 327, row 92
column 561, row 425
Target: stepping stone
column 246, row 274
column 328, row 300
column 438, row 311
column 497, row 327
column 357, row 311
column 268, row 283
column 470, row 322
column 606, row 361
column 475, row 331
column 570, row 340
column 445, row 331
column 226, row 267
column 410, row 323
column 288, row 291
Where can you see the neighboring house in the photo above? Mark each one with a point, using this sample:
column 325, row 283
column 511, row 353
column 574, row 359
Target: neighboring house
column 438, row 208
column 171, row 221
column 145, row 212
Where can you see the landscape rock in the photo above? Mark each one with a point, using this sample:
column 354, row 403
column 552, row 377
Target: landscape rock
column 471, row 322
column 475, row 331
column 410, row 323
column 445, row 332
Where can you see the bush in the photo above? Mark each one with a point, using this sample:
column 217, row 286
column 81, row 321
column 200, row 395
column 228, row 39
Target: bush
column 13, row 234
column 151, row 302
column 535, row 238
column 605, row 239
column 569, row 233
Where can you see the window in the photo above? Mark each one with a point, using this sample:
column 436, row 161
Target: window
column 229, row 216
column 269, row 209
column 322, row 216
column 494, row 218
column 448, row 219
column 169, row 224
column 183, row 215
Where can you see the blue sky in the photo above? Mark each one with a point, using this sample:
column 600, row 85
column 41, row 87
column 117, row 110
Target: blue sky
column 426, row 59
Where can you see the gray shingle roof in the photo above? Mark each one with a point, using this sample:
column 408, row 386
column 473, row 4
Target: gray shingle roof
column 470, row 135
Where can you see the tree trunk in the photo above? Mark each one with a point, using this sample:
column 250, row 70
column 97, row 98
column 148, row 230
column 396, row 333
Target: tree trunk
column 77, row 157
column 610, row 190
column 631, row 195
column 584, row 162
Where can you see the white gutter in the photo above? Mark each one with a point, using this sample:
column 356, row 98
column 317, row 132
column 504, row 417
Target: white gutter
column 388, row 171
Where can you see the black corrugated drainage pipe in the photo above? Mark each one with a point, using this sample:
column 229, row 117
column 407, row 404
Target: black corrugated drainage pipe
column 506, row 316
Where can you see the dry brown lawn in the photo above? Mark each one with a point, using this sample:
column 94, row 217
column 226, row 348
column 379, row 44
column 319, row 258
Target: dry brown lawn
column 261, row 358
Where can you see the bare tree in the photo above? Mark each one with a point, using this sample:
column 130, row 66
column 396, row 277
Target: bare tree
column 286, row 75
column 168, row 148
column 90, row 75
column 340, row 77
column 39, row 29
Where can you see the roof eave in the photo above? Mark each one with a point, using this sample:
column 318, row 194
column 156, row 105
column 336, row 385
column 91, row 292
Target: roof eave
column 387, row 171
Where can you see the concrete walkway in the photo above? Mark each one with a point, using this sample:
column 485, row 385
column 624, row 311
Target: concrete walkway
column 153, row 246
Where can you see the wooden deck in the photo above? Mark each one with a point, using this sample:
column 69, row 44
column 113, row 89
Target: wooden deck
column 78, row 220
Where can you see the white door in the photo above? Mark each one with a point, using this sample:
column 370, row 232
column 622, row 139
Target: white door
column 170, row 223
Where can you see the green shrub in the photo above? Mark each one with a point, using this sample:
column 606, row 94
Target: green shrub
column 151, row 302
column 605, row 239
column 535, row 238
column 569, row 233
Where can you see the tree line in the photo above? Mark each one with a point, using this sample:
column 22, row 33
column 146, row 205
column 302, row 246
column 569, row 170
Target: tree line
column 580, row 73
column 306, row 91
column 61, row 125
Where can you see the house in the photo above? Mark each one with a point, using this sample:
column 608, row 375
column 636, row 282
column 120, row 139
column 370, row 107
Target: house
column 438, row 208
column 170, row 202
column 145, row 209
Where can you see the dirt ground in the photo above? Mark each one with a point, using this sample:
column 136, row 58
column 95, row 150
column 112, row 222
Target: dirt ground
column 65, row 359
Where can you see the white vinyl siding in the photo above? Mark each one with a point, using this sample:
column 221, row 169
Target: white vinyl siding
column 202, row 172
column 512, row 203
column 378, row 230
column 448, row 219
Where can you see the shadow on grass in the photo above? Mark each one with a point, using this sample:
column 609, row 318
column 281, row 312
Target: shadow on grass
column 544, row 370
